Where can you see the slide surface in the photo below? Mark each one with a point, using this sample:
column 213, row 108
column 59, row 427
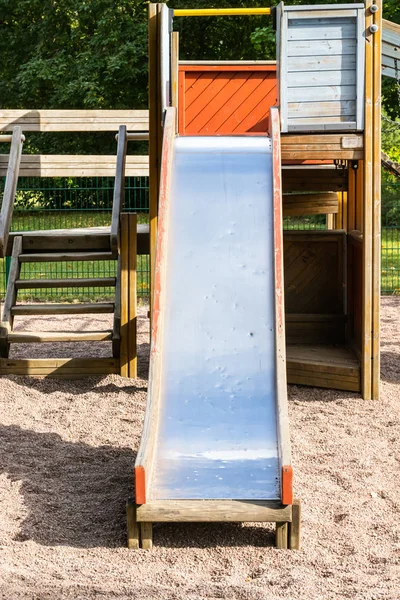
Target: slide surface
column 217, row 431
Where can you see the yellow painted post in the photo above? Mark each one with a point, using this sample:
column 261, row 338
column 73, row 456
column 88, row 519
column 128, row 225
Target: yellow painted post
column 220, row 12
column 376, row 200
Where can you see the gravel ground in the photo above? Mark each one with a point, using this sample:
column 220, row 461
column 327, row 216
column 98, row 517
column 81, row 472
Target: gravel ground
column 67, row 450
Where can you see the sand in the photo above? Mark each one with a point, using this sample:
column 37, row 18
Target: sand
column 67, row 450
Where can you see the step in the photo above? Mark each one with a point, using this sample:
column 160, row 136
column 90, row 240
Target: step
column 66, row 256
column 34, row 337
column 28, row 284
column 63, row 309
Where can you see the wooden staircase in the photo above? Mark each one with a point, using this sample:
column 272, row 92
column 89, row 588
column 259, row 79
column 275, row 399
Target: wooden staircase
column 73, row 246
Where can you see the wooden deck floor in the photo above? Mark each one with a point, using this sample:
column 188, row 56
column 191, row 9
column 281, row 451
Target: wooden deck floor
column 334, row 367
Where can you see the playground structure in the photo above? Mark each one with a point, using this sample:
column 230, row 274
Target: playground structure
column 325, row 159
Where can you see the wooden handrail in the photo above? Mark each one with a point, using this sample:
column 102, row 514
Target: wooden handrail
column 10, row 188
column 119, row 187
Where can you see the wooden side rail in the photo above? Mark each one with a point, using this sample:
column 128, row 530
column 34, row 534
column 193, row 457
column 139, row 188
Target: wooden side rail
column 119, row 188
column 66, row 165
column 74, row 120
column 10, row 189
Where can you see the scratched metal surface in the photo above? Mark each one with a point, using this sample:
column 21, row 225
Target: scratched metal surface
column 217, row 435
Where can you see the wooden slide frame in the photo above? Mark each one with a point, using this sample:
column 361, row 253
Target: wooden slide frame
column 143, row 511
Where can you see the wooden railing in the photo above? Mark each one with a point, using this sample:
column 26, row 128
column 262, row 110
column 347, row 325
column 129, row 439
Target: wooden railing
column 119, row 188
column 7, row 207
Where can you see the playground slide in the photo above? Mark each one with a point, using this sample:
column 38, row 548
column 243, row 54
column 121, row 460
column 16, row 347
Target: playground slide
column 212, row 428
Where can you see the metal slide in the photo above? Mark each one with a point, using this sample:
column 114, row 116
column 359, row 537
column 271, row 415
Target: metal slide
column 217, row 430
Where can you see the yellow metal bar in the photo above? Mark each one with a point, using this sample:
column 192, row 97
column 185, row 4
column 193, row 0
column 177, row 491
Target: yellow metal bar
column 219, row 12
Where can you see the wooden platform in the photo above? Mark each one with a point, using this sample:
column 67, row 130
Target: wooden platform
column 334, row 367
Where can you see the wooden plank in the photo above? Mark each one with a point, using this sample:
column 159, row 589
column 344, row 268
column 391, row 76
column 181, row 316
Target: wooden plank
column 315, row 381
column 345, row 108
column 155, row 134
column 321, row 48
column 42, row 165
column 132, row 299
column 63, row 309
column 29, row 284
column 66, row 257
column 34, row 337
column 341, row 63
column 77, row 373
column 321, row 93
column 175, row 71
column 116, row 345
column 376, row 200
column 73, row 120
column 10, row 188
column 309, row 204
column 57, row 363
column 124, row 291
column 367, row 215
column 321, row 140
column 11, row 297
column 322, row 29
column 209, row 511
column 313, row 179
column 119, row 189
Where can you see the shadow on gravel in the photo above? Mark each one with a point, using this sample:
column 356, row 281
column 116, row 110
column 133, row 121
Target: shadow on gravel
column 390, row 366
column 74, row 494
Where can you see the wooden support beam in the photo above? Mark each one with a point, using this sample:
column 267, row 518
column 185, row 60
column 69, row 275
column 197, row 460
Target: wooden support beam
column 155, row 132
column 310, row 204
column 65, row 368
column 367, row 212
column 7, row 318
column 128, row 331
column 376, row 199
column 213, row 511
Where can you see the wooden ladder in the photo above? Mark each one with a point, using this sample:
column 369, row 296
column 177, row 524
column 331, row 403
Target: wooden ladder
column 117, row 244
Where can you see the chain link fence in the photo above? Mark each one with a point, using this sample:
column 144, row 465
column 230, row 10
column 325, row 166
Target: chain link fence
column 65, row 203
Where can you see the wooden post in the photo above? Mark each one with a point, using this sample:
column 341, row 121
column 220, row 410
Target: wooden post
column 359, row 195
column 366, row 353
column 294, row 532
column 175, row 70
column 155, row 133
column 351, row 199
column 376, row 200
column 128, row 282
column 7, row 318
column 281, row 536
column 132, row 527
column 146, row 534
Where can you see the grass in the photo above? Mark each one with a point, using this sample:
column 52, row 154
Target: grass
column 39, row 220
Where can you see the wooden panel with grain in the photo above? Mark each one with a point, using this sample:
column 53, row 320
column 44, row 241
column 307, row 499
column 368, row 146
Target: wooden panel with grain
column 73, row 120
column 314, row 287
column 225, row 99
column 50, row 165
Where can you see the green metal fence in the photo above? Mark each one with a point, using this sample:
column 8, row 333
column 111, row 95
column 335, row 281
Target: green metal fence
column 390, row 274
column 67, row 203
column 64, row 203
